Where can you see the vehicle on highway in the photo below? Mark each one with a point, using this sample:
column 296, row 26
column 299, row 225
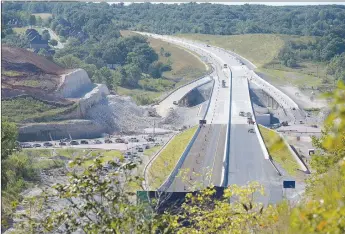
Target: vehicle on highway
column 285, row 123
column 36, row 145
column 47, row 144
column 119, row 140
column 62, row 143
column 108, row 141
column 135, row 154
column 74, row 142
column 241, row 113
column 251, row 130
column 208, row 45
column 98, row 142
column 250, row 120
column 223, row 83
column 314, row 126
column 225, row 65
column 26, row 145
column 175, row 102
column 140, row 150
column 84, row 142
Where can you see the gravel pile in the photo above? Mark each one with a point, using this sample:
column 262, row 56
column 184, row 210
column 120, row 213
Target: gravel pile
column 122, row 114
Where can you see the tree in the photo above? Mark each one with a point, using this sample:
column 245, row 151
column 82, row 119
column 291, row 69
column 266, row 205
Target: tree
column 133, row 75
column 32, row 20
column 39, row 21
column 53, row 42
column 69, row 61
column 45, row 35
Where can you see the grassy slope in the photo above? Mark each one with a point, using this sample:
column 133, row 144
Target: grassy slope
column 167, row 159
column 262, row 50
column 185, row 66
column 278, row 150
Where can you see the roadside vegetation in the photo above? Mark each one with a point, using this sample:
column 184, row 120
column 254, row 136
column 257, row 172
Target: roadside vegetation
column 166, row 161
column 278, row 150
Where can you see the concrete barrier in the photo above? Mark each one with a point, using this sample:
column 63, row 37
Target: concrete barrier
column 180, row 162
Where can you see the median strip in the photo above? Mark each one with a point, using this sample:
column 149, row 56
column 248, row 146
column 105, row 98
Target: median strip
column 166, row 161
column 278, row 150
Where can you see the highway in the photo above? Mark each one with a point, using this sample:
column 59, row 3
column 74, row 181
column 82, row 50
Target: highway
column 246, row 158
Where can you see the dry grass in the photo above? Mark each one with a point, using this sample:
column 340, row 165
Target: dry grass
column 44, row 16
column 185, row 65
column 166, row 161
column 278, row 150
column 258, row 48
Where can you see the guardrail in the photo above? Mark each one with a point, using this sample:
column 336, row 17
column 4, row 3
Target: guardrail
column 180, row 162
column 225, row 174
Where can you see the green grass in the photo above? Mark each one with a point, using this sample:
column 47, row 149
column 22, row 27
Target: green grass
column 150, row 152
column 11, row 73
column 107, row 156
column 258, row 48
column 141, row 97
column 278, row 150
column 166, row 161
column 21, row 30
column 23, row 108
column 263, row 50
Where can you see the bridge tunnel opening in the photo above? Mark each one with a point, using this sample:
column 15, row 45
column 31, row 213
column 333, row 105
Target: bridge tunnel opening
column 197, row 96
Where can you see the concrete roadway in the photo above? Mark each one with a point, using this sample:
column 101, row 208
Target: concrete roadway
column 204, row 161
column 247, row 161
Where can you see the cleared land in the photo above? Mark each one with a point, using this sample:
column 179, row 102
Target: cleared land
column 278, row 150
column 44, row 16
column 263, row 50
column 185, row 65
column 166, row 161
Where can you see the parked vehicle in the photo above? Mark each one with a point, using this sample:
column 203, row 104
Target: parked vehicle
column 98, row 142
column 47, row 144
column 147, row 147
column 175, row 102
column 36, row 145
column 26, row 145
column 133, row 139
column 74, row 142
column 140, row 150
column 62, row 143
column 150, row 139
column 119, row 140
column 108, row 141
column 208, row 45
column 84, row 142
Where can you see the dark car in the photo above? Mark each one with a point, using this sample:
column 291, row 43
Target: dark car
column 98, row 142
column 36, row 145
column 150, row 139
column 84, row 142
column 133, row 139
column 140, row 150
column 251, row 130
column 108, row 141
column 47, row 144
column 62, row 143
column 119, row 140
column 147, row 147
column 74, row 143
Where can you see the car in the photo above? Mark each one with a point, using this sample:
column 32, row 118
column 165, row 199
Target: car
column 301, row 122
column 108, row 141
column 140, row 150
column 62, row 143
column 156, row 144
column 119, row 140
column 150, row 139
column 175, row 102
column 133, row 139
column 135, row 154
column 147, row 147
column 98, row 142
column 241, row 113
column 314, row 126
column 293, row 108
column 47, row 144
column 74, row 142
column 84, row 142
column 26, row 145
column 251, row 130
column 36, row 145
column 208, row 45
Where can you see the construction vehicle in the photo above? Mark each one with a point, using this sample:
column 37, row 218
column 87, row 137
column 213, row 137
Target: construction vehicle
column 223, row 83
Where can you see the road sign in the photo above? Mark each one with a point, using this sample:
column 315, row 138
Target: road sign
column 289, row 184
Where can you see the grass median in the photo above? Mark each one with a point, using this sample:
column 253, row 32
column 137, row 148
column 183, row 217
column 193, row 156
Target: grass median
column 278, row 150
column 166, row 161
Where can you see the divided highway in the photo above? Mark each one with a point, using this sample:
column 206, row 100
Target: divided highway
column 227, row 146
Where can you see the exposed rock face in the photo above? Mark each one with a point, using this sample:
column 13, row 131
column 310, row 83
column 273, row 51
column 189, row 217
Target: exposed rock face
column 75, row 84
column 59, row 130
column 96, row 95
